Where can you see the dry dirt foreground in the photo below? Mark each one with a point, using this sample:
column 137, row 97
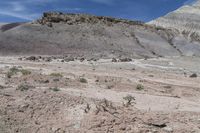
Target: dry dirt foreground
column 92, row 96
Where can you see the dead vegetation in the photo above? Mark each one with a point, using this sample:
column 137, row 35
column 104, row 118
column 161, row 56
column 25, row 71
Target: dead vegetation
column 24, row 87
column 105, row 106
column 129, row 100
column 59, row 75
column 14, row 70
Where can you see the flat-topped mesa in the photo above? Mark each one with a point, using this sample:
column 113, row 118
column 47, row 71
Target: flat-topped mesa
column 70, row 18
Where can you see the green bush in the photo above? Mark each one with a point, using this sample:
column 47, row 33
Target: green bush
column 12, row 72
column 83, row 80
column 140, row 87
column 15, row 70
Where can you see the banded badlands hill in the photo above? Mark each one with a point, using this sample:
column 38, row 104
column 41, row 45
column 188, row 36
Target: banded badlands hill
column 186, row 19
column 82, row 35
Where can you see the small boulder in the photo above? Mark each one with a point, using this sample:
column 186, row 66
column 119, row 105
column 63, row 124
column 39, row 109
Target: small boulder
column 114, row 60
column 125, row 59
column 194, row 75
column 32, row 58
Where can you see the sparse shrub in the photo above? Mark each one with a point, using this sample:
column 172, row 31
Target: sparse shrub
column 140, row 87
column 56, row 75
column 83, row 80
column 55, row 89
column 110, row 87
column 129, row 100
column 12, row 72
column 23, row 87
column 25, row 72
column 15, row 70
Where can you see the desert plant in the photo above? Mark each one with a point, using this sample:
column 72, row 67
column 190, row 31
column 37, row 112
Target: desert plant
column 129, row 100
column 56, row 75
column 140, row 87
column 25, row 72
column 15, row 70
column 55, row 89
column 12, row 71
column 82, row 80
column 23, row 87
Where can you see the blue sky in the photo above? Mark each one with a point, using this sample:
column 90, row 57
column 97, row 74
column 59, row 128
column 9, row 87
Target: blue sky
column 144, row 10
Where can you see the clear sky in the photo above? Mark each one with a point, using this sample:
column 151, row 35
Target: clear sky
column 143, row 10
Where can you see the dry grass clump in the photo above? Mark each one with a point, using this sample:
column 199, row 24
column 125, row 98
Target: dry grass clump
column 129, row 100
column 56, row 75
column 14, row 70
column 24, row 87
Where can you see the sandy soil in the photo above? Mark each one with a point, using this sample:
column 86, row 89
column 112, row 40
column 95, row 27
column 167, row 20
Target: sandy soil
column 91, row 96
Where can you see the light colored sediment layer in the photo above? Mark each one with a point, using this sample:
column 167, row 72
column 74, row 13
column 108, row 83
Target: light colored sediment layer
column 186, row 18
column 169, row 97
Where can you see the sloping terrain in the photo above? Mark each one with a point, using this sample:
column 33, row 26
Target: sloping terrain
column 155, row 95
column 80, row 35
column 186, row 19
column 83, row 90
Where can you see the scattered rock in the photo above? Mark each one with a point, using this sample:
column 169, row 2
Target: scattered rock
column 48, row 59
column 125, row 59
column 57, row 17
column 68, row 59
column 194, row 75
column 160, row 125
column 92, row 59
column 32, row 58
column 114, row 60
column 82, row 59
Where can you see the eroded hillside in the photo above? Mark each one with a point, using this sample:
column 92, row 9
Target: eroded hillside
column 80, row 35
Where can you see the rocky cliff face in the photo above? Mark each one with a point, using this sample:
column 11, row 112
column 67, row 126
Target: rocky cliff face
column 74, row 19
column 186, row 19
column 81, row 35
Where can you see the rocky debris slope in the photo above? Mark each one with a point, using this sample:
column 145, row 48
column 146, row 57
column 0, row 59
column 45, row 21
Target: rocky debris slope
column 186, row 19
column 87, row 36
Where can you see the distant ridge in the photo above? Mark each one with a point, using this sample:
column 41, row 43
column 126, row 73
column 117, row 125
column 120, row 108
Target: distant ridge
column 88, row 36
